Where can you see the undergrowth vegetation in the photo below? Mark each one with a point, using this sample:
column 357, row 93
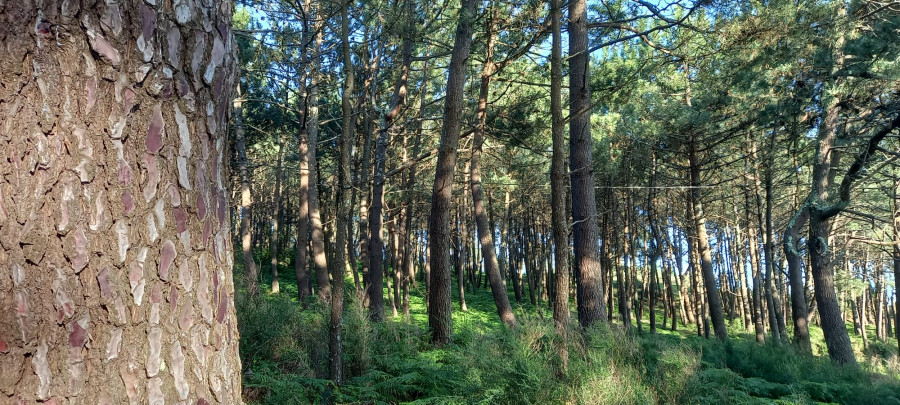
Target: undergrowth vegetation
column 285, row 361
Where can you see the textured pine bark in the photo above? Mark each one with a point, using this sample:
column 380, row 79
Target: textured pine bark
column 558, row 217
column 439, row 222
column 116, row 285
column 589, row 284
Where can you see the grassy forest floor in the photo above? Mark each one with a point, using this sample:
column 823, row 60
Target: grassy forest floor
column 285, row 360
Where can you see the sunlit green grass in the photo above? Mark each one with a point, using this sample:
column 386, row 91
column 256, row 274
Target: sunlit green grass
column 285, row 357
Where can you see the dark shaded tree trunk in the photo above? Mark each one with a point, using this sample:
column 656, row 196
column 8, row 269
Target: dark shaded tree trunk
column 559, row 220
column 439, row 221
column 117, row 242
column 376, row 241
column 591, row 303
column 799, row 307
column 342, row 217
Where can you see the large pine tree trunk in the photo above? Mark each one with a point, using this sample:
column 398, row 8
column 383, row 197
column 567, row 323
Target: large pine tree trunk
column 836, row 337
column 112, row 204
column 589, row 284
column 439, row 222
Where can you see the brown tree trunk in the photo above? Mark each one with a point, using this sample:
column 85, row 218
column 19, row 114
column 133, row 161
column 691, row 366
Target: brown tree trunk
column 896, row 253
column 699, row 227
column 777, row 306
column 113, row 207
column 251, row 273
column 589, row 283
column 276, row 218
column 376, row 242
column 458, row 249
column 439, row 221
column 317, row 229
column 753, row 250
column 627, row 282
column 301, row 257
column 655, row 245
column 342, row 217
column 301, row 260
column 485, row 233
column 512, row 257
column 878, row 301
column 412, row 246
column 559, row 220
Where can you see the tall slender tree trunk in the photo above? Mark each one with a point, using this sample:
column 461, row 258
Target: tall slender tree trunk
column 699, row 222
column 560, row 224
column 118, row 243
column 251, row 273
column 413, row 246
column 485, row 233
column 301, row 256
column 276, row 217
column 458, row 241
column 588, row 279
column 513, row 260
column 317, row 229
column 439, row 221
column 342, row 217
column 799, row 308
column 623, row 274
column 896, row 252
column 655, row 244
column 386, row 119
column 670, row 291
column 301, row 261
